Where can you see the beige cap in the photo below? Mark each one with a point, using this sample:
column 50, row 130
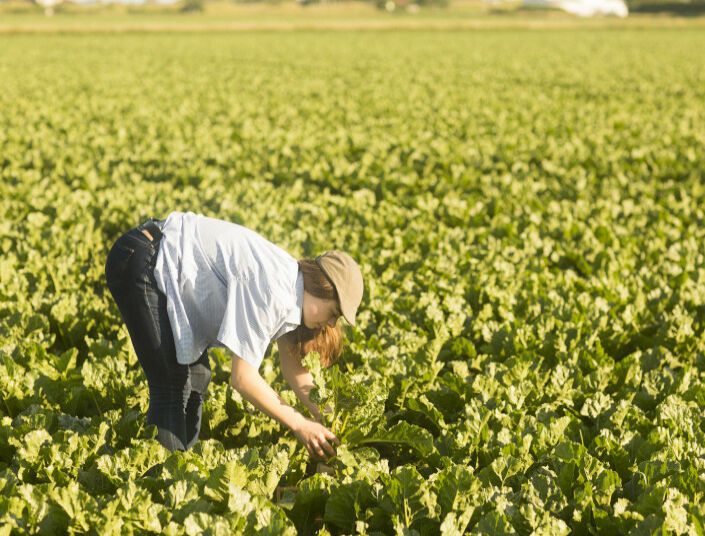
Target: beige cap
column 346, row 277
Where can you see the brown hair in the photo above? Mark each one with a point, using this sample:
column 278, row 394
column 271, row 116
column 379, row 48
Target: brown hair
column 327, row 341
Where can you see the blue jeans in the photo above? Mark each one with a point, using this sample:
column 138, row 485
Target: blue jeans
column 176, row 391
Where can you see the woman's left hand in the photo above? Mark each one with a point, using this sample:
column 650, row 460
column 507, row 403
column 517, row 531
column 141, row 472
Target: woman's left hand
column 318, row 440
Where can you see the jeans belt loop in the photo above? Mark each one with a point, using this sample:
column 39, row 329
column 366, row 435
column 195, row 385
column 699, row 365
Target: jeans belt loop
column 154, row 229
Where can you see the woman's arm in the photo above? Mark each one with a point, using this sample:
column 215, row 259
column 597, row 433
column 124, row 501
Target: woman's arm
column 316, row 438
column 248, row 382
column 297, row 376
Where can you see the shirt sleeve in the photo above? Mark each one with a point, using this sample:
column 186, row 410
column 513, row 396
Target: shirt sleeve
column 251, row 318
column 286, row 328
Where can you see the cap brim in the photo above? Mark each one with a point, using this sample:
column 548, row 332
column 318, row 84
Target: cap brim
column 350, row 318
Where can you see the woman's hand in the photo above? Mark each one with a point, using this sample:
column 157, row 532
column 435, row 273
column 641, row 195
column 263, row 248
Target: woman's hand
column 316, row 438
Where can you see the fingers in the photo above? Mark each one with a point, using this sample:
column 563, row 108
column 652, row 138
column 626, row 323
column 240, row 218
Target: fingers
column 321, row 447
column 311, row 452
column 319, row 442
column 330, row 450
column 330, row 435
column 316, row 449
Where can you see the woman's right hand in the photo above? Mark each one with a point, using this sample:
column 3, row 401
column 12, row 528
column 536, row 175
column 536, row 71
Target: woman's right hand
column 316, row 438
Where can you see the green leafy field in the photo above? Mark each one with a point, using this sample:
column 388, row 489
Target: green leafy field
column 527, row 207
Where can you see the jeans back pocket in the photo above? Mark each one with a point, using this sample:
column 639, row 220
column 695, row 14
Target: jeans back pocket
column 116, row 264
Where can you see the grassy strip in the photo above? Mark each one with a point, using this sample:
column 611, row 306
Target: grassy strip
column 229, row 17
column 641, row 22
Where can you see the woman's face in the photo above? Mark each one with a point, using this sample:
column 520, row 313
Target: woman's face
column 318, row 312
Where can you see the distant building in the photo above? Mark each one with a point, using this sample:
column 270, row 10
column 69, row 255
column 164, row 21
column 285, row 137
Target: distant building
column 584, row 8
column 48, row 6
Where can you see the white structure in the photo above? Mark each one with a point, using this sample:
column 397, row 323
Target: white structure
column 48, row 6
column 584, row 8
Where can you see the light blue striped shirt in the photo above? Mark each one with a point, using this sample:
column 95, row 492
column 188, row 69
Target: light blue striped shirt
column 225, row 286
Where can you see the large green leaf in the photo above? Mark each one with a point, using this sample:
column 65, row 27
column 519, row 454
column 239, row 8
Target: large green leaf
column 416, row 438
column 408, row 498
